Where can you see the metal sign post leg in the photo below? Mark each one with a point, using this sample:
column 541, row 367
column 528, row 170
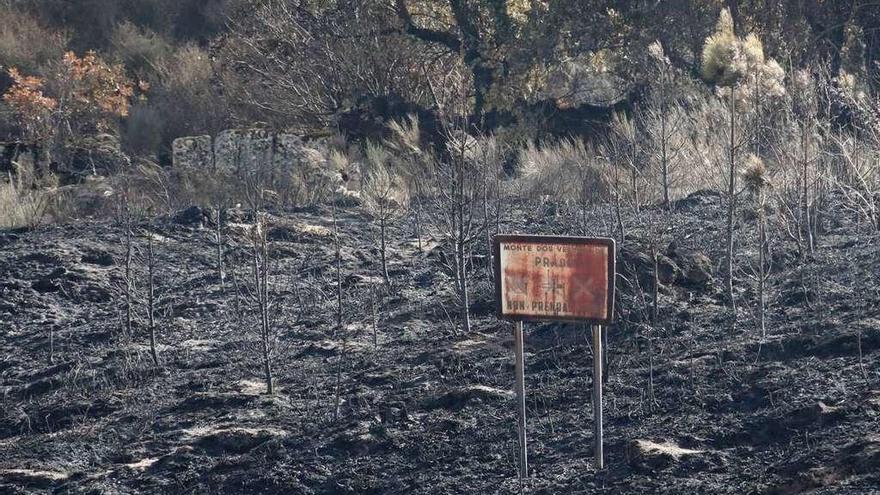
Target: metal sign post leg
column 597, row 396
column 519, row 365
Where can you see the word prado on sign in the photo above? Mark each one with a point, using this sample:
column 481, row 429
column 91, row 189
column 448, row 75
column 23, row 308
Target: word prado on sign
column 553, row 262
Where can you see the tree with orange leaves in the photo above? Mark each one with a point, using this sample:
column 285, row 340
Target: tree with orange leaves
column 88, row 96
column 32, row 108
column 94, row 91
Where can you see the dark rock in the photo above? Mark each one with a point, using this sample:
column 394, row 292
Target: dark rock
column 52, row 419
column 95, row 257
column 7, row 238
column 815, row 414
column 460, row 398
column 362, row 439
column 324, row 348
column 235, row 440
column 283, row 233
column 212, row 402
column 862, row 455
column 394, row 414
column 482, row 306
column 179, row 460
column 695, row 267
column 637, row 263
column 45, row 285
column 193, row 216
column 43, row 258
column 698, row 199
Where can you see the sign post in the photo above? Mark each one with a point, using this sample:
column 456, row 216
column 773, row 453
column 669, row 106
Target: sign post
column 519, row 370
column 539, row 278
column 598, row 451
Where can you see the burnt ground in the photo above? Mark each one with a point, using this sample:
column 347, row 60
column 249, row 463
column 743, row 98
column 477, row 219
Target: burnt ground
column 428, row 410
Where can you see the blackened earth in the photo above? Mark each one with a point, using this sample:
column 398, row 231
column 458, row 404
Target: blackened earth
column 693, row 403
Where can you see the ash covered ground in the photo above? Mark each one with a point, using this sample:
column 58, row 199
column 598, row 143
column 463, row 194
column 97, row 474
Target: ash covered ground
column 693, row 404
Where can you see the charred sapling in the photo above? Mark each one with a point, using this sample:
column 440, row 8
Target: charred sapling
column 664, row 121
column 338, row 329
column 745, row 80
column 757, row 183
column 151, row 298
column 457, row 184
column 260, row 273
column 384, row 197
column 415, row 165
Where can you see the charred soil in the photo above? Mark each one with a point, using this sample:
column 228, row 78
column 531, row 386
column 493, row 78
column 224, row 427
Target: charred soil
column 695, row 403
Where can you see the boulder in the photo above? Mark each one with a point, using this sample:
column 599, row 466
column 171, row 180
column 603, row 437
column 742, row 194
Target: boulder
column 289, row 151
column 814, row 414
column 646, row 455
column 461, row 397
column 695, row 267
column 227, row 148
column 698, row 199
column 637, row 263
column 239, row 150
column 192, row 152
column 193, row 216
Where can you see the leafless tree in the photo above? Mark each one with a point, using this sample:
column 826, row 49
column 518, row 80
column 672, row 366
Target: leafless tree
column 665, row 123
column 757, row 183
column 719, row 143
column 128, row 277
column 415, row 167
column 338, row 329
column 151, row 298
column 733, row 149
column 260, row 276
column 627, row 150
column 218, row 240
column 297, row 65
column 487, row 156
column 374, row 313
column 855, row 149
column 456, row 181
column 797, row 151
column 614, row 177
column 384, row 196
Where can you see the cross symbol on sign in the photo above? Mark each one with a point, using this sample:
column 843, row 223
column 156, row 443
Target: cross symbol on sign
column 554, row 286
column 581, row 288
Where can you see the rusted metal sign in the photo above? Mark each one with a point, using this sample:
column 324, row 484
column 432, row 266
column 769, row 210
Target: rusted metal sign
column 554, row 278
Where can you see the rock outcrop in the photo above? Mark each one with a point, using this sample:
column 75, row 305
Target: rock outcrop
column 240, row 150
column 192, row 152
column 288, row 168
